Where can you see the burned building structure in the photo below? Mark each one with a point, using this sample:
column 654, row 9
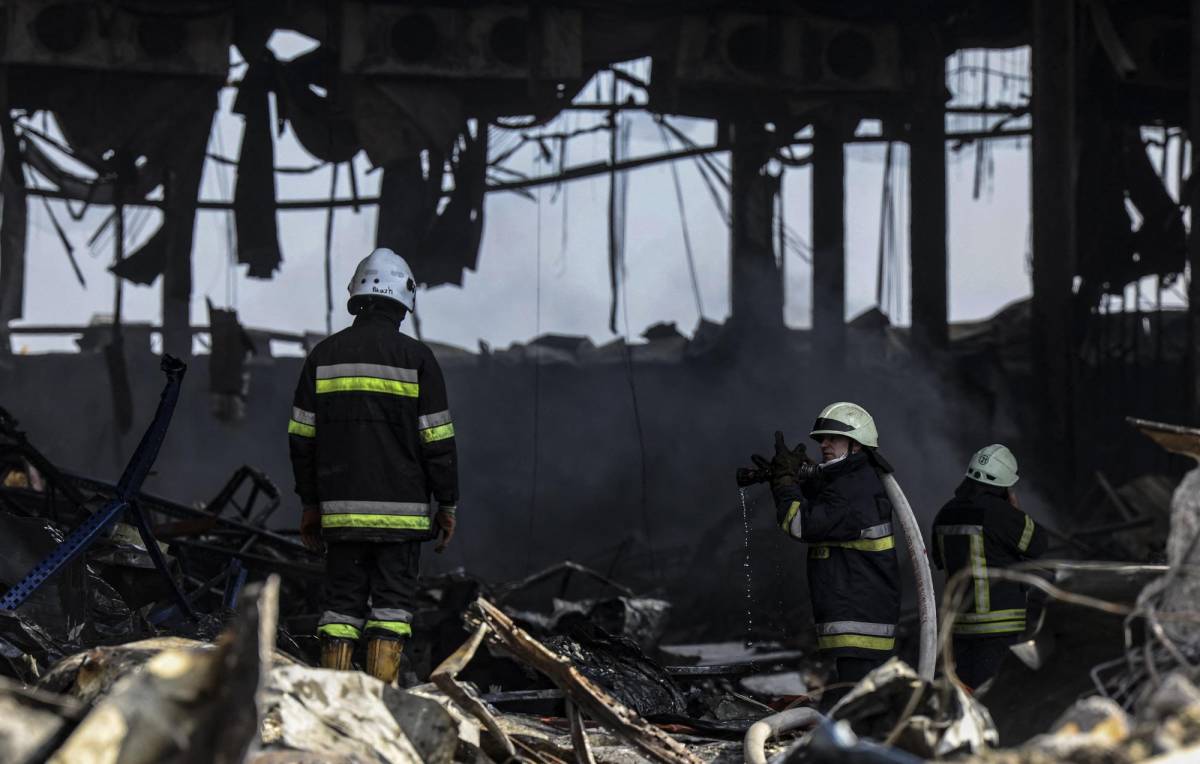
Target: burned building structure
column 623, row 455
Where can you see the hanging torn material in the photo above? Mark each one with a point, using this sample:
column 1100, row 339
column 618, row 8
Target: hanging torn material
column 254, row 191
column 146, row 263
column 408, row 196
column 12, row 229
column 618, row 194
column 228, row 377
column 452, row 244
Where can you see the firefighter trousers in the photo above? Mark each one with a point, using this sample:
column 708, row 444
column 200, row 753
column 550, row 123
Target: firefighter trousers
column 370, row 588
column 977, row 659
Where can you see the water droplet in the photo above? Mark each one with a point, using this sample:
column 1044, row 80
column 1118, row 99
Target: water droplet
column 746, row 565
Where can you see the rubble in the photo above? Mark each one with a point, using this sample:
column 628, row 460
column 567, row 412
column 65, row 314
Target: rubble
column 931, row 719
column 107, row 662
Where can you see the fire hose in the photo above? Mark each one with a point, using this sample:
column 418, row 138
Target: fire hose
column 918, row 556
column 754, row 744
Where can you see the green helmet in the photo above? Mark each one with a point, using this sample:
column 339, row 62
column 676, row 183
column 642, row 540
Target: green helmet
column 994, row 465
column 848, row 419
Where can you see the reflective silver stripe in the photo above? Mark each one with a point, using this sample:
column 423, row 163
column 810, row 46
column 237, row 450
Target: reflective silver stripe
column 351, row 507
column 390, row 614
column 329, row 617
column 958, row 530
column 304, row 417
column 433, row 420
column 876, row 531
column 378, row 371
column 856, row 627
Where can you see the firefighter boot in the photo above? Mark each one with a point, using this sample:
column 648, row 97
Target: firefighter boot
column 383, row 658
column 336, row 653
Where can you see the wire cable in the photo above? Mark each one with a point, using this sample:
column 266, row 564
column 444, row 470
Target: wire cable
column 537, row 380
column 687, row 239
column 641, row 437
column 329, row 253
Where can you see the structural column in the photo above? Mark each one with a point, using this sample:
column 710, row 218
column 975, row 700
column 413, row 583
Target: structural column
column 1193, row 251
column 180, row 192
column 756, row 281
column 12, row 233
column 829, row 242
column 1053, row 198
column 927, row 185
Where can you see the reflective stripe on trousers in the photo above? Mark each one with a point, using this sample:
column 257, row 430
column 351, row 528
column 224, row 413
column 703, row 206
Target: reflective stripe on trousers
column 339, row 625
column 861, row 634
column 395, row 620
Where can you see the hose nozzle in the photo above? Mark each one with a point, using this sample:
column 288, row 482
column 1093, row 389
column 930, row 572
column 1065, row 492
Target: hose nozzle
column 747, row 476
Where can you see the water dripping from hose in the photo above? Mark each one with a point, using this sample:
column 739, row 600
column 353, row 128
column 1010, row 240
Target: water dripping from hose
column 746, row 568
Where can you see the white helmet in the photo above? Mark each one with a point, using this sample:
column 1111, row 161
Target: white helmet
column 848, row 419
column 385, row 274
column 994, row 465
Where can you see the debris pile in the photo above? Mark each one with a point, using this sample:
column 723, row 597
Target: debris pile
column 136, row 629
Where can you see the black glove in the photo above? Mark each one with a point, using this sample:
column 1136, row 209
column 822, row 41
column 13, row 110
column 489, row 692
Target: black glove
column 785, row 467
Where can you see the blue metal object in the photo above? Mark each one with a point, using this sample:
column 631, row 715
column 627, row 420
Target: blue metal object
column 160, row 562
column 233, row 587
column 128, row 488
column 78, row 540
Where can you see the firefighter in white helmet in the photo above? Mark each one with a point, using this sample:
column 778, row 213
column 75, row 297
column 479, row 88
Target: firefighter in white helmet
column 373, row 452
column 983, row 528
column 840, row 509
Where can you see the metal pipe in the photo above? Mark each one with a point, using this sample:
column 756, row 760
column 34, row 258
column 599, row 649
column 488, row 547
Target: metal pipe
column 919, row 558
column 754, row 743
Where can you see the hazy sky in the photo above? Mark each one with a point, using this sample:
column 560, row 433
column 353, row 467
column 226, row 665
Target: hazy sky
column 988, row 240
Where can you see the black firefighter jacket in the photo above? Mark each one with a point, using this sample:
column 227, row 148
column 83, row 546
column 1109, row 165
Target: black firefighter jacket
column 853, row 574
column 979, row 530
column 371, row 436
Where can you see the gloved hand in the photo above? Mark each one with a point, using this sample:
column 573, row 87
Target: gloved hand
column 445, row 522
column 310, row 528
column 785, row 466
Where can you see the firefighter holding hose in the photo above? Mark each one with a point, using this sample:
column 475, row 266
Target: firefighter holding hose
column 840, row 508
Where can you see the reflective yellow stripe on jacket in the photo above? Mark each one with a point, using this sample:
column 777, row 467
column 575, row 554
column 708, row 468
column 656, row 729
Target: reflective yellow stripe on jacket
column 435, row 427
column 877, row 538
column 367, row 378
column 302, row 423
column 1010, row 621
column 984, row 620
column 383, row 515
column 1026, row 535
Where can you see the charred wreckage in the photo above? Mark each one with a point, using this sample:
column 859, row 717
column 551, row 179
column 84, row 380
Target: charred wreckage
column 133, row 628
